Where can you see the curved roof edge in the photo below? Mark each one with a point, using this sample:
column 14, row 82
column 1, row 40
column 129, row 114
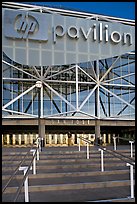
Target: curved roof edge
column 25, row 6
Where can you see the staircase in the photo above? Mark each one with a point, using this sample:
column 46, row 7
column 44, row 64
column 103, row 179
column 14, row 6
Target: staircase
column 64, row 174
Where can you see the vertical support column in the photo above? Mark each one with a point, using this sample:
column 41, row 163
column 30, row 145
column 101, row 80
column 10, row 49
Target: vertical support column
column 61, row 139
column 97, row 130
column 77, row 87
column 22, row 139
column 8, row 139
column 25, row 139
column 55, row 136
column 13, row 139
column 104, row 139
column 97, row 104
column 19, row 138
column 39, row 128
column 31, row 138
column 109, row 138
column 42, row 129
column 50, row 139
column 39, row 87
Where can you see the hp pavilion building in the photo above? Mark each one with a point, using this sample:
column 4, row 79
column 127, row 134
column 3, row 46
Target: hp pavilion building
column 66, row 71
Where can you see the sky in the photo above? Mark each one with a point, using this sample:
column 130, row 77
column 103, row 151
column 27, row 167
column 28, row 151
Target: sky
column 117, row 9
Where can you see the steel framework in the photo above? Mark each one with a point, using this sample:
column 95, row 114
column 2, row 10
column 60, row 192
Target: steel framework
column 103, row 89
column 71, row 89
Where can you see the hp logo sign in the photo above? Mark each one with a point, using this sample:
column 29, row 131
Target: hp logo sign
column 25, row 25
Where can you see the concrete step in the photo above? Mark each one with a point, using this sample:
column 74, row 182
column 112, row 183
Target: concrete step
column 64, row 178
column 71, row 186
column 75, row 195
column 72, row 167
column 14, row 151
column 75, row 155
column 127, row 199
column 62, row 161
column 39, row 175
column 68, row 176
column 74, row 192
column 61, row 150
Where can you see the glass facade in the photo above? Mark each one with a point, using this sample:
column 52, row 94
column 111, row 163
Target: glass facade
column 97, row 89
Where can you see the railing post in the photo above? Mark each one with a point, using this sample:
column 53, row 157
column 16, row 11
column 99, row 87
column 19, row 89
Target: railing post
column 131, row 142
column 38, row 147
column 102, row 163
column 87, row 150
column 131, row 179
column 114, row 138
column 34, row 161
column 79, row 144
column 25, row 168
column 37, row 154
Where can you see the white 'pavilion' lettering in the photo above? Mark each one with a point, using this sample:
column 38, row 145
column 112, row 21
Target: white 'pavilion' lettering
column 100, row 33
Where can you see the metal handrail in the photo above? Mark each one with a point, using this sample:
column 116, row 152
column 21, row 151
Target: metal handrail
column 14, row 173
column 129, row 163
column 124, row 138
column 24, row 178
column 132, row 161
column 127, row 157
